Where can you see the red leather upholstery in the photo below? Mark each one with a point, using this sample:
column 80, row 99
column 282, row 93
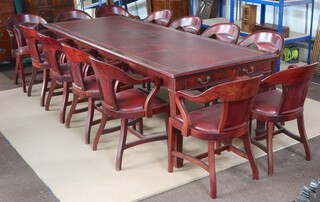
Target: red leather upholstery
column 19, row 47
column 268, row 41
column 38, row 60
column 112, row 10
column 227, row 32
column 161, row 17
column 72, row 15
column 278, row 106
column 83, row 86
column 191, row 24
column 127, row 104
column 221, row 122
column 59, row 72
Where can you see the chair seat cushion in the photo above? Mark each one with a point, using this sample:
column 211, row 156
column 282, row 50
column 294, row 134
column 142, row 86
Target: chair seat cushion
column 132, row 100
column 204, row 120
column 92, row 89
column 64, row 74
column 267, row 103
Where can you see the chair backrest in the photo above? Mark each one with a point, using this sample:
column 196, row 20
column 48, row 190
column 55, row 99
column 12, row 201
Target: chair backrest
column 161, row 17
column 32, row 38
column 269, row 41
column 52, row 50
column 72, row 15
column 78, row 61
column 16, row 38
column 112, row 10
column 227, row 32
column 237, row 100
column 294, row 82
column 191, row 24
column 109, row 77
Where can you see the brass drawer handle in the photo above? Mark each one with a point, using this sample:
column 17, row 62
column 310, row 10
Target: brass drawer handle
column 204, row 82
column 2, row 50
column 251, row 70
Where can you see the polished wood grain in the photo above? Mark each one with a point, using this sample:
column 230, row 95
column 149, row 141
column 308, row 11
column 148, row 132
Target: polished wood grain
column 181, row 60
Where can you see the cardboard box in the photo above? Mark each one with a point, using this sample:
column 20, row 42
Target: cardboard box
column 273, row 27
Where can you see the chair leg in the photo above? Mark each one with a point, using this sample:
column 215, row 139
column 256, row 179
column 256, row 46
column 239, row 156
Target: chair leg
column 252, row 161
column 212, row 169
column 303, row 135
column 45, row 82
column 22, row 75
column 141, row 126
column 122, row 143
column 72, row 109
column 16, row 71
column 19, row 69
column 103, row 122
column 32, row 80
column 89, row 119
column 64, row 102
column 50, row 93
column 179, row 147
column 172, row 135
column 270, row 128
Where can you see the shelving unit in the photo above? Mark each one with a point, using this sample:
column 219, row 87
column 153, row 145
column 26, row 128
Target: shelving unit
column 103, row 2
column 281, row 4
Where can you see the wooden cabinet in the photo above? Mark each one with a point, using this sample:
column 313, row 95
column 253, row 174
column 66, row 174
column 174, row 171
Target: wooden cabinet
column 7, row 10
column 179, row 8
column 47, row 9
column 248, row 17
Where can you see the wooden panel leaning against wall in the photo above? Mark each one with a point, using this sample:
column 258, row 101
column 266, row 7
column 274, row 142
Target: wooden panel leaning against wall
column 7, row 10
column 47, row 9
column 179, row 8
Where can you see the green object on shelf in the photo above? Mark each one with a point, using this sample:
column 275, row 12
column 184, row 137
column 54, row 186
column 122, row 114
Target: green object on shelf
column 18, row 6
column 27, row 60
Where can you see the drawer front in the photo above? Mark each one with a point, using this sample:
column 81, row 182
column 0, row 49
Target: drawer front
column 5, row 50
column 3, row 21
column 39, row 3
column 7, row 7
column 47, row 14
column 63, row 3
column 265, row 68
column 206, row 79
column 4, row 36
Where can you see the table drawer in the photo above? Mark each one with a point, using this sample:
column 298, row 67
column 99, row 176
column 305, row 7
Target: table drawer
column 5, row 49
column 206, row 79
column 253, row 70
column 4, row 36
column 63, row 3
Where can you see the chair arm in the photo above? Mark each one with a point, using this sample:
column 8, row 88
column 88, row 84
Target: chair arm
column 205, row 97
column 180, row 101
column 151, row 95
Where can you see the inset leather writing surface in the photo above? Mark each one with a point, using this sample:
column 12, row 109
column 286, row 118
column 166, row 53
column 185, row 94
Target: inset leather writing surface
column 174, row 52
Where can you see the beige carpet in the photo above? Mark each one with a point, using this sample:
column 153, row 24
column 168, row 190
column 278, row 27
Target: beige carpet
column 74, row 172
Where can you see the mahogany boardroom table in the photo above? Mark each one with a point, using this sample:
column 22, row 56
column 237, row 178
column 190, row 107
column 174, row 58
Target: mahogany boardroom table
column 181, row 60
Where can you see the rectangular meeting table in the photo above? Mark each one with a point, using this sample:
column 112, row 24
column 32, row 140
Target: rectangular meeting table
column 181, row 60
